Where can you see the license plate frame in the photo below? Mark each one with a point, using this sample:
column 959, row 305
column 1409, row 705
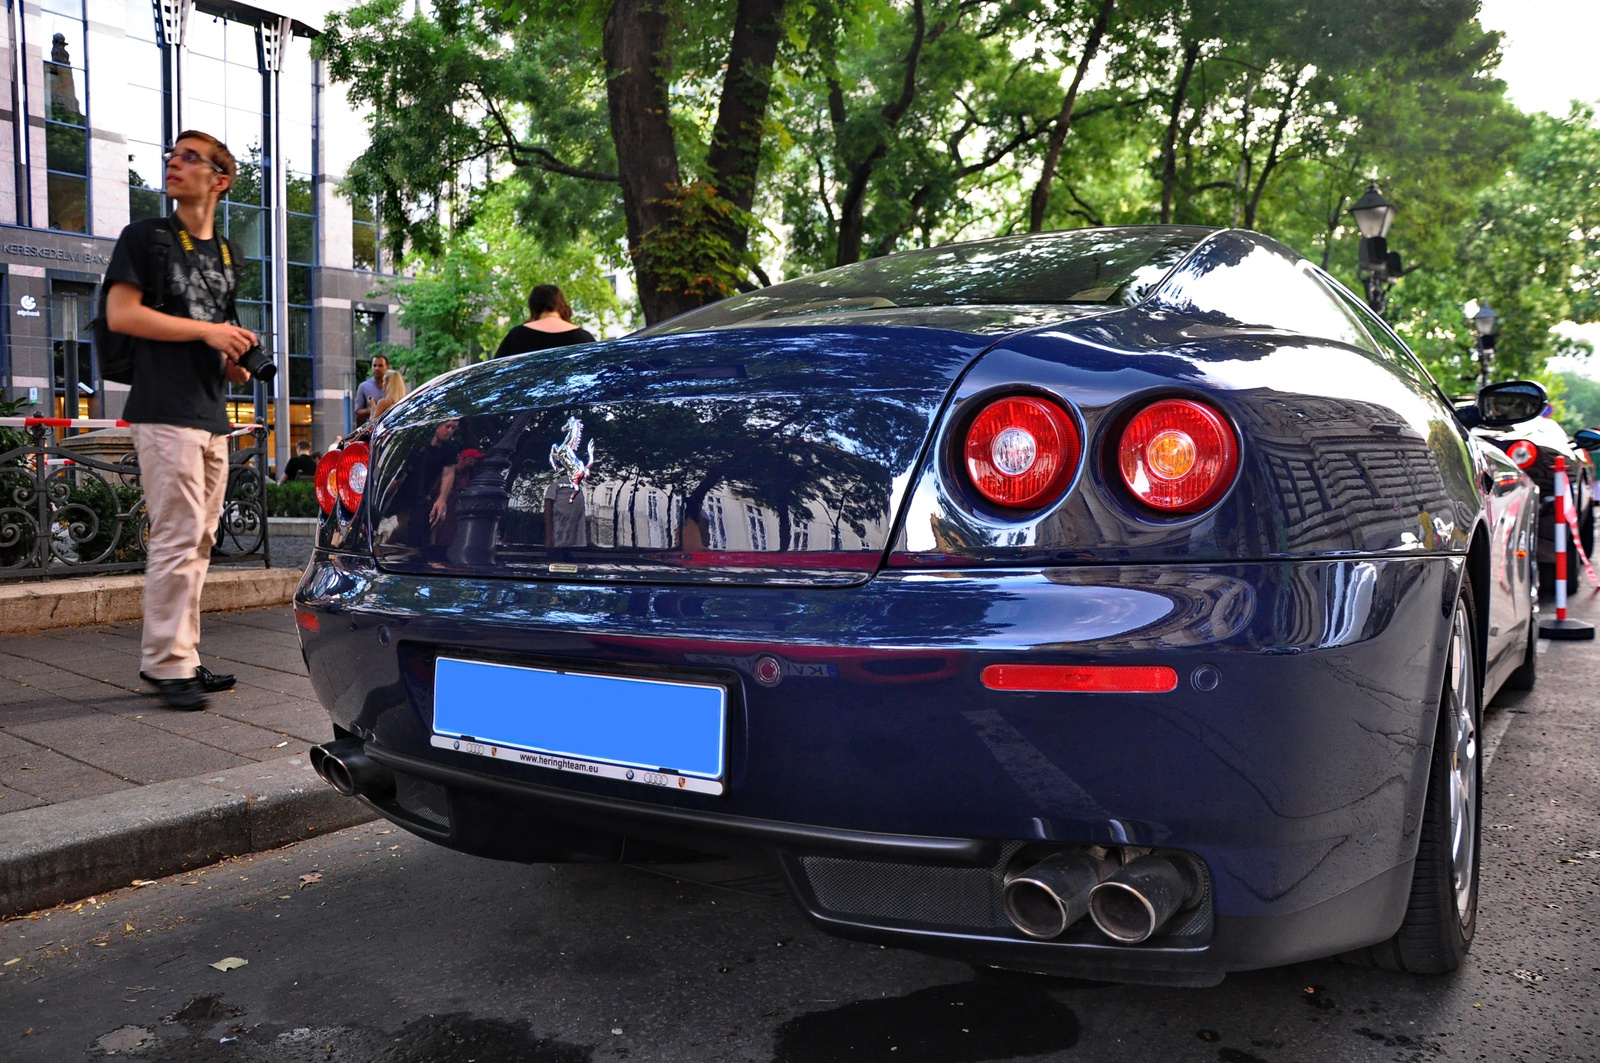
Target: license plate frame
column 666, row 733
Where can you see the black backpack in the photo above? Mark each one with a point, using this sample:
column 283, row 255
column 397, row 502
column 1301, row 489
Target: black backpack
column 115, row 348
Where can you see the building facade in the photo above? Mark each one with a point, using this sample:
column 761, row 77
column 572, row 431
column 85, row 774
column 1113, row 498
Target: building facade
column 98, row 88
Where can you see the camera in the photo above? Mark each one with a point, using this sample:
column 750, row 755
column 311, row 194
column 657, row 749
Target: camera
column 261, row 367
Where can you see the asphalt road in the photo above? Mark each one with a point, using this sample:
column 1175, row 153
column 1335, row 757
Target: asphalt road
column 371, row 945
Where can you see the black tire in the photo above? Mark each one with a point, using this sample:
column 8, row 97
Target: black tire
column 1442, row 915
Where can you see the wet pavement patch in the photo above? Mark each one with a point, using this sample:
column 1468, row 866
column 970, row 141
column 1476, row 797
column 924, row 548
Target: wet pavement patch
column 994, row 1016
column 1238, row 1055
column 124, row 1039
column 203, row 1011
column 459, row 1038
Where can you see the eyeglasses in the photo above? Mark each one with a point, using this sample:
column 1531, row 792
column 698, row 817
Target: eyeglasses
column 190, row 157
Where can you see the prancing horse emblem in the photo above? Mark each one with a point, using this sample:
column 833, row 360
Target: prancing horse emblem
column 564, row 456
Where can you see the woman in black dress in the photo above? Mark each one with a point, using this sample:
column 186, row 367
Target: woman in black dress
column 549, row 325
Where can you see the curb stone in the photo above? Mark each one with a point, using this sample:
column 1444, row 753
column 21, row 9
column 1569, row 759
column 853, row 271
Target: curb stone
column 64, row 852
column 42, row 604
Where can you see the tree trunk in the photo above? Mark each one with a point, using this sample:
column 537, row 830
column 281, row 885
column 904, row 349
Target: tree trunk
column 735, row 155
column 1058, row 136
column 647, row 153
column 1273, row 157
column 1169, row 156
column 852, row 205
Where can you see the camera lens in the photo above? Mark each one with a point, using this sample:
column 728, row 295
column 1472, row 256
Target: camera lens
column 261, row 367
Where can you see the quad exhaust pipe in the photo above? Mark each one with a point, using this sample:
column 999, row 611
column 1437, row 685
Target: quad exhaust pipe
column 1144, row 893
column 1054, row 893
column 1129, row 904
column 345, row 766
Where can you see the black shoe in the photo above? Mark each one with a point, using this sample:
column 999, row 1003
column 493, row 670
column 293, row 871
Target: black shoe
column 210, row 681
column 184, row 694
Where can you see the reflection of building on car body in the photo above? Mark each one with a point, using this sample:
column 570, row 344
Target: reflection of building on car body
column 1118, row 603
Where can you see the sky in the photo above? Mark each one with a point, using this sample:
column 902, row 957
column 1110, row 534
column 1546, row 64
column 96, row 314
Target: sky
column 1550, row 60
column 1549, row 50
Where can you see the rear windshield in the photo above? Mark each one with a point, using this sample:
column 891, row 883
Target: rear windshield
column 1079, row 268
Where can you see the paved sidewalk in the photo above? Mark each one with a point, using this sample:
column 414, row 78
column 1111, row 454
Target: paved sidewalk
column 102, row 785
column 76, row 721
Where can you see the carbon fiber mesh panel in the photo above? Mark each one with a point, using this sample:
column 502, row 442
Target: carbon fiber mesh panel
column 427, row 801
column 912, row 893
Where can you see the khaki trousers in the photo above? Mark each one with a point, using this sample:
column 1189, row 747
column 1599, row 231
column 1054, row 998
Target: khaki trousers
column 184, row 472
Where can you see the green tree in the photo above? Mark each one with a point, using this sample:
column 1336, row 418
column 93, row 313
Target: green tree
column 473, row 287
column 1530, row 248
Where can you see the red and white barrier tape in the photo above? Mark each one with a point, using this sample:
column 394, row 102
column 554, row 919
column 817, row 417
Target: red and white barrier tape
column 90, row 422
column 1577, row 540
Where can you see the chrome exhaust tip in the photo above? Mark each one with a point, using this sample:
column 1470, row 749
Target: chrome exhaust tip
column 345, row 766
column 1137, row 901
column 1053, row 894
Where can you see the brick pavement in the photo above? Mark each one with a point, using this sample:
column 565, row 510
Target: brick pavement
column 76, row 721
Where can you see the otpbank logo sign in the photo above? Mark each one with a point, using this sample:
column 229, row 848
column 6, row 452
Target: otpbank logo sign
column 27, row 306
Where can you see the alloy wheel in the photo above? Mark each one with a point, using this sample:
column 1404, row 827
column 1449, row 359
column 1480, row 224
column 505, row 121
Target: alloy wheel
column 1463, row 731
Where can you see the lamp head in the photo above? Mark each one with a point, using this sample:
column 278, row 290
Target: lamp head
column 1486, row 321
column 1373, row 213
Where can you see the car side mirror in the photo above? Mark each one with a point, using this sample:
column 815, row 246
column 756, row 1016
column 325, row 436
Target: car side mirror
column 1511, row 402
column 1586, row 439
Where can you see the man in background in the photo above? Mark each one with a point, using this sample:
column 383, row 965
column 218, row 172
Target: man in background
column 370, row 393
column 302, row 466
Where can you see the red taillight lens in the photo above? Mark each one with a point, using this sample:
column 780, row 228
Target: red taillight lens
column 1178, row 456
column 328, row 481
column 1523, row 453
column 1021, row 451
column 352, row 475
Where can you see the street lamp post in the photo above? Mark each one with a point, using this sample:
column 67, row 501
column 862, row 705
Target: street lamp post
column 1487, row 325
column 1380, row 267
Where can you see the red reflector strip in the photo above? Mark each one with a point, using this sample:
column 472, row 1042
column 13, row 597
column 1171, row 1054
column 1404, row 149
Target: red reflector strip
column 305, row 619
column 1087, row 679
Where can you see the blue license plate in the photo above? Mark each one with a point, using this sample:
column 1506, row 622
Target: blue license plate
column 649, row 731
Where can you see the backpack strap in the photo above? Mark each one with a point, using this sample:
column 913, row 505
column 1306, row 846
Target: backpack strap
column 155, row 283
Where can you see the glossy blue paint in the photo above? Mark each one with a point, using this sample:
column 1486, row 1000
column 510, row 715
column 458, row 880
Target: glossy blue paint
column 894, row 733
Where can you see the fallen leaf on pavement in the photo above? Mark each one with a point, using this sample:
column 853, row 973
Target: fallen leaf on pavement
column 144, row 882
column 229, row 963
column 9, row 962
column 306, row 880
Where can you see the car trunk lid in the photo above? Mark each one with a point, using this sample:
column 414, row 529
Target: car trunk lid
column 772, row 456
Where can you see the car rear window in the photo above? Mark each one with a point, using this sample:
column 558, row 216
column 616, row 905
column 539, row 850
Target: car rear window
column 1076, row 268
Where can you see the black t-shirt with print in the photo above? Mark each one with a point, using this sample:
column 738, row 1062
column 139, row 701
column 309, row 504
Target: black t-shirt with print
column 176, row 383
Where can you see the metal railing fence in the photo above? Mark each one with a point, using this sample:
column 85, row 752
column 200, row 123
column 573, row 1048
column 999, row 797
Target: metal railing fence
column 66, row 510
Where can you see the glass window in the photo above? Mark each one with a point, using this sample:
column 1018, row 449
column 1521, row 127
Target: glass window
column 366, row 333
column 1079, row 267
column 71, row 340
column 66, row 133
column 363, row 235
column 1237, row 281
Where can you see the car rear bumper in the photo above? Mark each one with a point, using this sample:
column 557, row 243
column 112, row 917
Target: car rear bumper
column 1292, row 758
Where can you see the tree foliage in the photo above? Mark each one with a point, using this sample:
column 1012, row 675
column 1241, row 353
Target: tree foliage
column 698, row 141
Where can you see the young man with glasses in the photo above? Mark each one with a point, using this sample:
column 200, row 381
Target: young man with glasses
column 178, row 405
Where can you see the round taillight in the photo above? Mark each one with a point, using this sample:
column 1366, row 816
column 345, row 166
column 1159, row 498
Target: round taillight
column 1523, row 453
column 1178, row 456
column 1021, row 451
column 352, row 475
column 328, row 481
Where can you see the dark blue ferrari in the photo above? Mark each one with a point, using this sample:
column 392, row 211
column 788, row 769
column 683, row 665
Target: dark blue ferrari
column 1118, row 603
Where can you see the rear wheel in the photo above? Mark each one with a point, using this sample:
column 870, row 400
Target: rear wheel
column 1443, row 912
